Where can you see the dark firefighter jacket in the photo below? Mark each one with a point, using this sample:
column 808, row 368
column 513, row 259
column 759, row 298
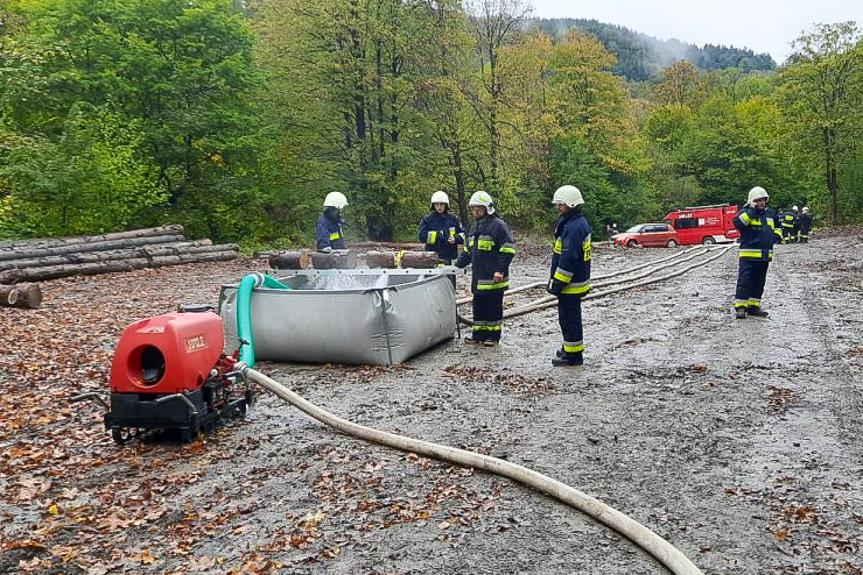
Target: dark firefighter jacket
column 789, row 220
column 329, row 234
column 490, row 248
column 759, row 230
column 805, row 223
column 435, row 229
column 570, row 262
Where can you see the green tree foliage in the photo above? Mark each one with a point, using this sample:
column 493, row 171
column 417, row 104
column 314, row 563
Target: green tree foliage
column 176, row 75
column 236, row 118
column 822, row 90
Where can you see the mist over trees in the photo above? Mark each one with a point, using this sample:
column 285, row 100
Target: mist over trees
column 236, row 119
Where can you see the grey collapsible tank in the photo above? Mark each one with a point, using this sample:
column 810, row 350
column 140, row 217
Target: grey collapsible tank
column 379, row 317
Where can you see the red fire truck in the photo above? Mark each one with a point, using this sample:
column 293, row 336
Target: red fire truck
column 704, row 224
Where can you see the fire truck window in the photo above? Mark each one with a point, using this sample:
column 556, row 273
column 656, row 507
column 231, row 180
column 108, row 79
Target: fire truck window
column 686, row 223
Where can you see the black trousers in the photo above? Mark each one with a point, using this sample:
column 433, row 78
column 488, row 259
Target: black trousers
column 569, row 316
column 751, row 276
column 488, row 315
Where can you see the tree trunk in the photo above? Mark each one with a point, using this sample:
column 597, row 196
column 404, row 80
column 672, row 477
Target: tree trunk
column 290, row 260
column 7, row 254
column 56, row 242
column 26, row 296
column 338, row 259
column 420, row 260
column 385, row 260
column 54, row 272
column 832, row 177
column 200, row 246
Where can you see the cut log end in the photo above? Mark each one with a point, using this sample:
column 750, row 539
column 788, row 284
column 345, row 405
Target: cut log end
column 290, row 260
column 335, row 260
column 26, row 296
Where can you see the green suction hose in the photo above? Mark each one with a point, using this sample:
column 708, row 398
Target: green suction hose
column 244, row 312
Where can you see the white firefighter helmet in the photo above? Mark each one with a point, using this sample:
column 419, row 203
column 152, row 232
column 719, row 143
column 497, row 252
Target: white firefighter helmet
column 805, row 209
column 439, row 197
column 794, row 208
column 569, row 196
column 335, row 200
column 482, row 198
column 757, row 193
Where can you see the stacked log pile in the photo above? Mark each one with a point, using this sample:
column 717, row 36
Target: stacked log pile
column 44, row 259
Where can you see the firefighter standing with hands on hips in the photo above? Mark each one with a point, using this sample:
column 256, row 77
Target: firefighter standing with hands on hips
column 490, row 248
column 759, row 230
column 329, row 233
column 570, row 272
column 440, row 231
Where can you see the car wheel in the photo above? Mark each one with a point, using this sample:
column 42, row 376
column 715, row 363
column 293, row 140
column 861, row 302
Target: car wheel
column 708, row 240
column 633, row 244
column 671, row 243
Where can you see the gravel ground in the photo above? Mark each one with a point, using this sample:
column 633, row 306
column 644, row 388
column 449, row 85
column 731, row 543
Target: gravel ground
column 737, row 441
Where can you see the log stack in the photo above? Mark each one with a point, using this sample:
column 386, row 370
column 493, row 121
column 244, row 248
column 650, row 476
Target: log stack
column 44, row 259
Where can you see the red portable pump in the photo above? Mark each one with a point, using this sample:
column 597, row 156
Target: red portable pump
column 169, row 373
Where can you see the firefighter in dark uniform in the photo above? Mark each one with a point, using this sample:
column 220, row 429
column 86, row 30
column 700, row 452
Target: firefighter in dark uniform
column 805, row 224
column 789, row 225
column 570, row 272
column 440, row 231
column 490, row 249
column 759, row 230
column 329, row 232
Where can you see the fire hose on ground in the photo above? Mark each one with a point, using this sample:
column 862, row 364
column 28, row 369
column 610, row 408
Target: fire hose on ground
column 543, row 283
column 667, row 555
column 551, row 301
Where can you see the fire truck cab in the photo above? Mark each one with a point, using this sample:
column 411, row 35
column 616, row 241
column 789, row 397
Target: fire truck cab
column 704, row 224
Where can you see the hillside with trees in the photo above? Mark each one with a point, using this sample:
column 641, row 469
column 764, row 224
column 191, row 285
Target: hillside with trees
column 235, row 122
column 642, row 58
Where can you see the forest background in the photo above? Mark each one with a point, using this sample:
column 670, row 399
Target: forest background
column 235, row 119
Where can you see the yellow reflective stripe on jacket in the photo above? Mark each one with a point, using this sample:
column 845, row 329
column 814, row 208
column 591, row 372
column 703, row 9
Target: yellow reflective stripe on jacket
column 563, row 275
column 744, row 217
column 487, row 285
column 507, row 248
column 755, row 254
column 335, row 236
column 485, row 245
column 558, row 246
column 432, row 237
column 586, row 249
column 577, row 288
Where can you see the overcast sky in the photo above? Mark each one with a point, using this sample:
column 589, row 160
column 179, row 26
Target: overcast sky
column 760, row 25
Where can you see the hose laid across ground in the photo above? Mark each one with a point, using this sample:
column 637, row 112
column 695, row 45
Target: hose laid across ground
column 668, row 555
column 551, row 301
column 624, row 280
column 534, row 285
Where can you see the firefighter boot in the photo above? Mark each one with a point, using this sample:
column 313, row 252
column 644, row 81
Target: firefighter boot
column 471, row 339
column 740, row 313
column 757, row 312
column 568, row 359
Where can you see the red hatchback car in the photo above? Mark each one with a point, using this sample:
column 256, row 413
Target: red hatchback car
column 648, row 235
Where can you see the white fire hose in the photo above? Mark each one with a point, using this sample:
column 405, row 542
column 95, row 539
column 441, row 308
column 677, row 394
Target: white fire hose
column 669, row 556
